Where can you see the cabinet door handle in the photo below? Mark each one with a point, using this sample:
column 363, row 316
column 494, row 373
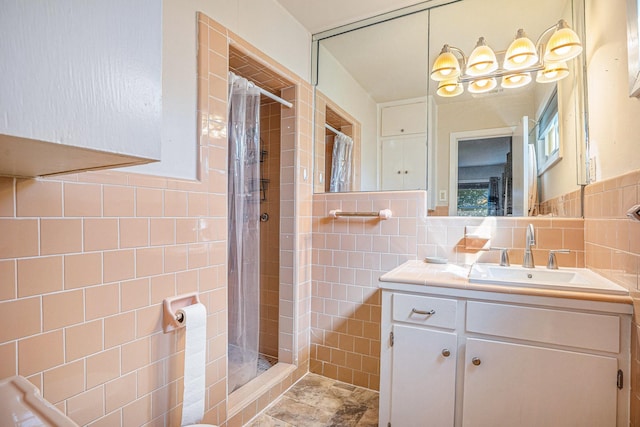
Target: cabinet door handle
column 476, row 361
column 446, row 352
column 406, row 172
column 399, row 172
column 423, row 312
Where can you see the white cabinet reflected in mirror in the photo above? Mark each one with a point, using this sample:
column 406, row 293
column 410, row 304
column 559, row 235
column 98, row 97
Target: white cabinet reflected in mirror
column 373, row 85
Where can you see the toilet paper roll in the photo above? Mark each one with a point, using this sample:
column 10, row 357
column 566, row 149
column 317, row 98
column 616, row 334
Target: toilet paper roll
column 195, row 318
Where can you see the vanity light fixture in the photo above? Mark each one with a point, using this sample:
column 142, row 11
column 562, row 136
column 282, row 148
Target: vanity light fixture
column 446, row 66
column 513, row 81
column 482, row 85
column 481, row 70
column 449, row 88
column 482, row 60
column 521, row 53
column 552, row 72
column 563, row 45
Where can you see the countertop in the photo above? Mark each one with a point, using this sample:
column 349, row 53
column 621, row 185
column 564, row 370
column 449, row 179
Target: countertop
column 455, row 277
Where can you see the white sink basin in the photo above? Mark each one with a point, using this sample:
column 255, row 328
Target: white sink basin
column 564, row 279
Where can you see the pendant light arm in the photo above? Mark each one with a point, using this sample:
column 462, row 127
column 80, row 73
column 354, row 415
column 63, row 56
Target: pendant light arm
column 539, row 44
column 462, row 56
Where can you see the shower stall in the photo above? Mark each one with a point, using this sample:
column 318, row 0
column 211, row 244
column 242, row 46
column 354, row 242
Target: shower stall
column 254, row 140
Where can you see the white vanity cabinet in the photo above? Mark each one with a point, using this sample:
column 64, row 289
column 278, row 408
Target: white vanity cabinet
column 475, row 359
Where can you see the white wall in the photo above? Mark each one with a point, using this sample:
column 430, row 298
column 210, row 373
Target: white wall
column 263, row 23
column 614, row 118
column 350, row 96
column 67, row 77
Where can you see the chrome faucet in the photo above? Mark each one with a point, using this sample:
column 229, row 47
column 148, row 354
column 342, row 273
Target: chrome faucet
column 530, row 241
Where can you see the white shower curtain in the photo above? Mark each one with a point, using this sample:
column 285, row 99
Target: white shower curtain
column 244, row 230
column 341, row 164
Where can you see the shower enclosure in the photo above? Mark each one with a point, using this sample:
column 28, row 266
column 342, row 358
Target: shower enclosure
column 244, row 230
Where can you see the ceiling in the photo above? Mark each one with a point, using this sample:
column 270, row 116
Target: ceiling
column 317, row 16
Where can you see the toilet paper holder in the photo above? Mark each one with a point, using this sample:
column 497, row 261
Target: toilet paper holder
column 171, row 318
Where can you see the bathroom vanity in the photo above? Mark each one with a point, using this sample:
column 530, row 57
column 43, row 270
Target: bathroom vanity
column 456, row 353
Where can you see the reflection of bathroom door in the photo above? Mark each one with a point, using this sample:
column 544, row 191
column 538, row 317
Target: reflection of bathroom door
column 456, row 138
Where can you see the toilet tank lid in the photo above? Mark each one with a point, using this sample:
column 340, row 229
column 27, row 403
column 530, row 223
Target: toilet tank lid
column 21, row 404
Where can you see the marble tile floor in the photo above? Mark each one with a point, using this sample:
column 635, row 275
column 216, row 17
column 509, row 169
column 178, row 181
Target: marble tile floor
column 317, row 401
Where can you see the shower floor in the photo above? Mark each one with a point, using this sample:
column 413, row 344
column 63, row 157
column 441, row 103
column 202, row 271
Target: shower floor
column 242, row 371
column 265, row 362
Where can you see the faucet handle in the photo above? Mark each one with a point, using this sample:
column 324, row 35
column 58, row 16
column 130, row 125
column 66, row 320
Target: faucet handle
column 504, row 256
column 552, row 263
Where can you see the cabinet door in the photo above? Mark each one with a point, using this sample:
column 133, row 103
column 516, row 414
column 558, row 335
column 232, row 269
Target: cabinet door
column 392, row 172
column 422, row 377
column 404, row 163
column 414, row 153
column 521, row 385
column 404, row 119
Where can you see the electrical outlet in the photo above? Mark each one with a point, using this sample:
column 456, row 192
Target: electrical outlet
column 443, row 196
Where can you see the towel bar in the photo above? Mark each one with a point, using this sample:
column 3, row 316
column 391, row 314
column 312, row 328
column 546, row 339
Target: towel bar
column 382, row 214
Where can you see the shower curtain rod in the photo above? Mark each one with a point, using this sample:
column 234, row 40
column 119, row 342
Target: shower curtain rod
column 332, row 129
column 272, row 96
column 266, row 93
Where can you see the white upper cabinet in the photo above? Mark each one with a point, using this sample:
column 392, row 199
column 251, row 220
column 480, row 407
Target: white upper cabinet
column 80, row 85
column 403, row 119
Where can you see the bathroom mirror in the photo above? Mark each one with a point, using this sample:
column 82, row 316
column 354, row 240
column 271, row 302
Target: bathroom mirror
column 372, row 84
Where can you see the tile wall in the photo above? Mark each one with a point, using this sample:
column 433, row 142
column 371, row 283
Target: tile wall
column 568, row 205
column 612, row 243
column 270, row 118
column 350, row 254
column 86, row 260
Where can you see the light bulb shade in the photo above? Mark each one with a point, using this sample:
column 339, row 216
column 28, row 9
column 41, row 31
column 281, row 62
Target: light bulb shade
column 482, row 85
column 521, row 53
column 553, row 72
column 516, row 80
column 446, row 66
column 482, row 60
column 563, row 45
column 449, row 88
